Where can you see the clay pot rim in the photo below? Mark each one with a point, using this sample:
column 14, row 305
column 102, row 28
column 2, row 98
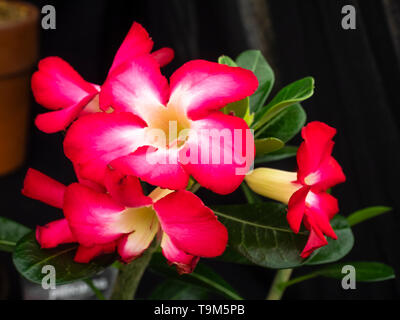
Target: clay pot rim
column 31, row 17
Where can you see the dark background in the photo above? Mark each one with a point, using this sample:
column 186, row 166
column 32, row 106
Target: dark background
column 357, row 84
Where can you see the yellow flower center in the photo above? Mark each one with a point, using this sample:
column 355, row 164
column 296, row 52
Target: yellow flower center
column 168, row 127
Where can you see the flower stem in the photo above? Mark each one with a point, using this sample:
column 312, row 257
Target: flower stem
column 129, row 275
column 301, row 279
column 278, row 285
column 95, row 290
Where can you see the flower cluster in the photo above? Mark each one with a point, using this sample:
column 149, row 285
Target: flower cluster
column 122, row 218
column 138, row 126
column 112, row 142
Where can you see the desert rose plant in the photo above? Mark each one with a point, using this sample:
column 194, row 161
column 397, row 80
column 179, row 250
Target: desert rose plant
column 141, row 146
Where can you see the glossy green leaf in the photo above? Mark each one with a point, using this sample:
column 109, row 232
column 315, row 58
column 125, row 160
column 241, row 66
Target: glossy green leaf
column 10, row 233
column 227, row 60
column 261, row 233
column 178, row 290
column 365, row 214
column 202, row 276
column 336, row 249
column 253, row 60
column 232, row 256
column 286, row 125
column 365, row 271
column 29, row 259
column 240, row 109
column 295, row 92
column 284, row 153
column 268, row 145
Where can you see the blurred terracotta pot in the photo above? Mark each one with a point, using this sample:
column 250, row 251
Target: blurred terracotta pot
column 18, row 54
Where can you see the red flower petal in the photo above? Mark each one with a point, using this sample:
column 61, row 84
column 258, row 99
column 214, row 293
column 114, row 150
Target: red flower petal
column 95, row 140
column 40, row 187
column 191, row 226
column 296, row 208
column 315, row 210
column 328, row 175
column 154, row 166
column 56, row 85
column 317, row 146
column 185, row 263
column 55, row 121
column 200, row 87
column 321, row 207
column 94, row 218
column 163, row 56
column 136, row 43
column 126, row 189
column 328, row 204
column 54, row 233
column 315, row 240
column 219, row 164
column 86, row 254
column 136, row 86
column 88, row 183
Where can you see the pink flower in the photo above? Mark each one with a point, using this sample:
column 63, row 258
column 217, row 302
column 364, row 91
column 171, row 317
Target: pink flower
column 57, row 86
column 305, row 192
column 126, row 220
column 137, row 139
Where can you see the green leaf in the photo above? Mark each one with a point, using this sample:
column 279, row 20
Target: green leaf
column 295, row 92
column 286, row 125
column 202, row 276
column 240, row 109
column 232, row 256
column 261, row 233
column 268, row 145
column 226, row 60
column 365, row 271
column 253, row 60
column 10, row 233
column 178, row 290
column 336, row 249
column 29, row 259
column 284, row 153
column 365, row 214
